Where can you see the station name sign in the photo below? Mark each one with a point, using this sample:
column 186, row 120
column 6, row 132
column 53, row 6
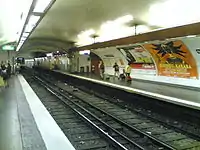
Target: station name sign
column 8, row 48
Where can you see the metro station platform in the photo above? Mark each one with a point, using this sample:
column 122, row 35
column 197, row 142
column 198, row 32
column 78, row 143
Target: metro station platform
column 25, row 124
column 178, row 95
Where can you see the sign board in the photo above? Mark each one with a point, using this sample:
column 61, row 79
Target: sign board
column 8, row 48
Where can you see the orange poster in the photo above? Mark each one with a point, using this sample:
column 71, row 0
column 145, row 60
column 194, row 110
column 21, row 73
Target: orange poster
column 173, row 59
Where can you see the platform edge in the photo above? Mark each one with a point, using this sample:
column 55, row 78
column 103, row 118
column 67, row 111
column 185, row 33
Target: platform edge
column 51, row 133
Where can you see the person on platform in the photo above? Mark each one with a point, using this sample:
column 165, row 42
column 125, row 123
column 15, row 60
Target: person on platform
column 3, row 66
column 4, row 74
column 116, row 70
column 9, row 70
column 101, row 69
column 128, row 72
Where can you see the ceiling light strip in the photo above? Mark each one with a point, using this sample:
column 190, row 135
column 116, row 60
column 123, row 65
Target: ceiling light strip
column 27, row 19
column 42, row 6
column 33, row 28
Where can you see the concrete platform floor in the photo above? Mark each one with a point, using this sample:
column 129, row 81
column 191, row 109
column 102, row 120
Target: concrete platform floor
column 18, row 130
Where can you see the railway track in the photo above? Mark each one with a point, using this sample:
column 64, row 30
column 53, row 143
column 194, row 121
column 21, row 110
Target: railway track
column 81, row 132
column 179, row 124
column 182, row 120
column 139, row 131
column 115, row 131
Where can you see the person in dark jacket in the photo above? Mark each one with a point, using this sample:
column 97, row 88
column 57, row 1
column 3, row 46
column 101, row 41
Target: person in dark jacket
column 9, row 70
column 4, row 74
column 116, row 70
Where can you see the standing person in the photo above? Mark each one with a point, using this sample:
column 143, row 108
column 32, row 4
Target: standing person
column 116, row 69
column 3, row 65
column 128, row 72
column 101, row 69
column 4, row 74
column 1, row 79
column 9, row 70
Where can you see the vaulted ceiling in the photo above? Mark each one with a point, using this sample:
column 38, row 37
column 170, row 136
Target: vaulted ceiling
column 79, row 21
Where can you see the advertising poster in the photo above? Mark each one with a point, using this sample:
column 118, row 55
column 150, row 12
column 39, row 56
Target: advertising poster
column 138, row 57
column 173, row 59
column 109, row 62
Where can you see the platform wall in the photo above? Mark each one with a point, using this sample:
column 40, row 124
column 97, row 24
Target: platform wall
column 193, row 44
column 4, row 55
column 111, row 55
column 84, row 62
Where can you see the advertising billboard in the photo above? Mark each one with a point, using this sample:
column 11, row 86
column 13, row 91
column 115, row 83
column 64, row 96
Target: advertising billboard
column 138, row 57
column 173, row 58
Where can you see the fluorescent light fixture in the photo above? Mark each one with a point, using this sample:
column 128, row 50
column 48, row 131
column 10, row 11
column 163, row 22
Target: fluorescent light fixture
column 19, row 46
column 41, row 5
column 21, row 43
column 29, row 28
column 25, row 34
column 31, row 23
column 22, row 39
column 33, row 20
